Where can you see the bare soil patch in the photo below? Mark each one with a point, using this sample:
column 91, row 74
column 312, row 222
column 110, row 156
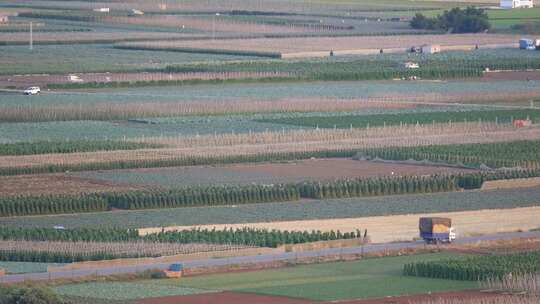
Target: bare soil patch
column 225, row 297
column 512, row 75
column 325, row 169
column 453, row 295
column 56, row 184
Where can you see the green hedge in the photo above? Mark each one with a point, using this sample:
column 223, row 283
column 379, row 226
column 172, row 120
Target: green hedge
column 46, row 147
column 476, row 268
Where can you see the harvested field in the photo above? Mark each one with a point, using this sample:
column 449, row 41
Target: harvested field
column 310, row 47
column 89, row 37
column 226, row 297
column 436, row 296
column 266, row 173
column 383, row 229
column 512, row 183
column 56, row 184
column 511, row 75
column 417, row 135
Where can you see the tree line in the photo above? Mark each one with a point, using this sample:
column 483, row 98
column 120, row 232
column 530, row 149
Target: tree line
column 250, row 194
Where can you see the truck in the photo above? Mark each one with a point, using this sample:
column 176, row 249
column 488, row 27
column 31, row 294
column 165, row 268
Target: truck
column 527, row 44
column 435, row 230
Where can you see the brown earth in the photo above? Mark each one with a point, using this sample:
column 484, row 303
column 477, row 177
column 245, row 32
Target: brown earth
column 512, row 183
column 226, row 297
column 325, row 169
column 56, row 184
column 409, row 299
column 512, row 75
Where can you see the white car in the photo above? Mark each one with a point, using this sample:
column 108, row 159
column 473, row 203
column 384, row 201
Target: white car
column 32, row 91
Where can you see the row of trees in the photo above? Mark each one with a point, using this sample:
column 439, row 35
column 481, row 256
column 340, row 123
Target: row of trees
column 69, row 235
column 250, row 236
column 230, row 195
column 36, row 256
column 45, row 147
column 523, row 154
column 456, row 20
column 477, row 268
column 146, row 199
column 239, row 236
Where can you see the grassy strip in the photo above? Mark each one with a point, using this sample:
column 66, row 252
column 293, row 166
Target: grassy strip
column 153, row 83
column 476, row 268
column 199, row 50
column 46, row 147
column 361, row 121
column 496, row 155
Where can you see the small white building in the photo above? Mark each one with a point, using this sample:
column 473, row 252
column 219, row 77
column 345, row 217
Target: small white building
column 102, row 10
column 431, row 49
column 4, row 19
column 517, row 3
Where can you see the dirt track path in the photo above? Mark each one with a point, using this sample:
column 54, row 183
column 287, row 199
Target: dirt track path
column 405, row 227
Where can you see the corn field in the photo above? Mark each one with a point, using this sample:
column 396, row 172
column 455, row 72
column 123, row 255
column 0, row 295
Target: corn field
column 406, row 135
column 528, row 283
column 477, row 268
column 68, row 252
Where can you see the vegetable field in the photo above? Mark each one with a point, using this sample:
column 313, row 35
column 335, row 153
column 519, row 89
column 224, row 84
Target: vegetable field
column 124, row 290
column 304, row 210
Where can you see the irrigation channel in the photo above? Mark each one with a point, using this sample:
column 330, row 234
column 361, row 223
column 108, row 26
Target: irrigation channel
column 264, row 258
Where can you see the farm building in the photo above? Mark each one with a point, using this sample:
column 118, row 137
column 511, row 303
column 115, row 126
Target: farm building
column 431, row 48
column 517, row 3
column 4, row 19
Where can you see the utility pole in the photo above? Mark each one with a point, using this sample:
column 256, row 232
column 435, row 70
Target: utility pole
column 31, row 37
column 214, row 26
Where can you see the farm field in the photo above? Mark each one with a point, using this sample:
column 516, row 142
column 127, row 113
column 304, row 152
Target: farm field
column 124, row 290
column 395, row 228
column 308, row 47
column 54, row 59
column 287, row 211
column 56, row 183
column 166, row 131
column 432, row 90
column 320, row 169
column 25, row 267
column 369, row 278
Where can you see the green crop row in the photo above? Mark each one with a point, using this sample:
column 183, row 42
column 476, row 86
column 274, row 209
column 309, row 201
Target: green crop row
column 174, row 162
column 45, row 147
column 61, row 257
column 145, row 199
column 524, row 154
column 240, row 236
column 477, row 268
column 361, row 121
column 69, row 235
column 232, row 195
